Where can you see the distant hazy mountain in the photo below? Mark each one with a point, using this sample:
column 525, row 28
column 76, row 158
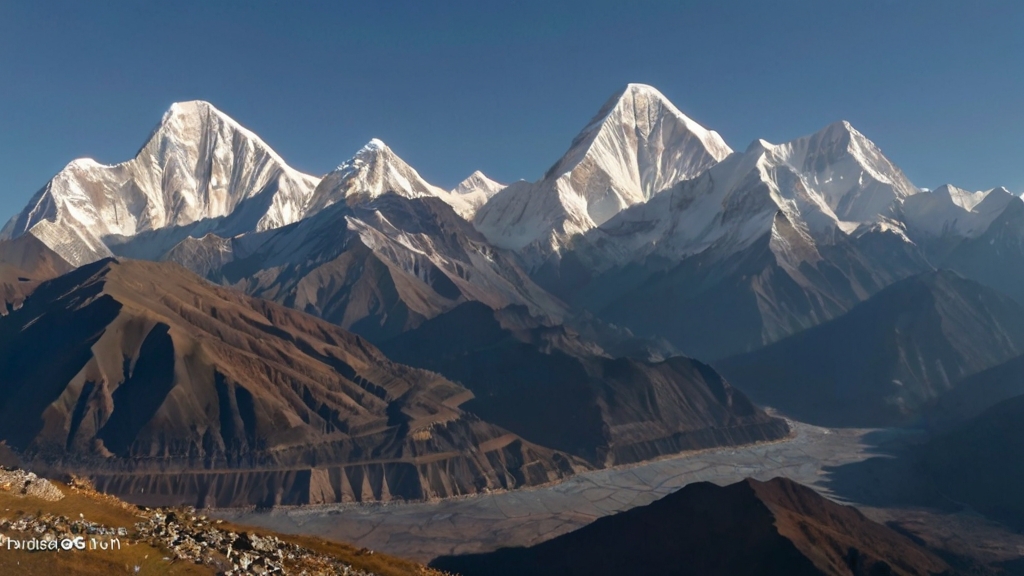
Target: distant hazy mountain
column 887, row 359
column 979, row 463
column 547, row 384
column 951, row 211
column 749, row 528
column 995, row 256
column 123, row 371
column 477, row 189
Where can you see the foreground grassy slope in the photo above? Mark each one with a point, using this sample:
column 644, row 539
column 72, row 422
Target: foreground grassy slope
column 154, row 558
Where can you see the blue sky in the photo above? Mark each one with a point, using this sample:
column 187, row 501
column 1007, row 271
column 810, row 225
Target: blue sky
column 504, row 86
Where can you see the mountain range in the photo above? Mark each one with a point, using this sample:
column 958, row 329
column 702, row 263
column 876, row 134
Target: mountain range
column 889, row 359
column 369, row 335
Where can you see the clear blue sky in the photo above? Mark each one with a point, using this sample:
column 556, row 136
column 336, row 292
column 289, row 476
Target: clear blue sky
column 504, row 86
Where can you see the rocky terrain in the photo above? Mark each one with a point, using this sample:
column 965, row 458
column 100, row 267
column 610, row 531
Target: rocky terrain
column 167, row 389
column 378, row 267
column 28, row 484
column 159, row 541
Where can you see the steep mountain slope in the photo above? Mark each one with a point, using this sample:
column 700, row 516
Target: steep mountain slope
column 746, row 529
column 996, row 256
column 882, row 362
column 199, row 171
column 545, row 383
column 774, row 240
column 166, row 389
column 976, row 393
column 378, row 267
column 24, row 263
column 167, row 542
column 979, row 463
column 376, row 170
column 637, row 145
column 952, row 211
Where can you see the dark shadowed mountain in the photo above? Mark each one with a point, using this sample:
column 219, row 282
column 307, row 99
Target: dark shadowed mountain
column 977, row 393
column 711, row 305
column 889, row 357
column 979, row 463
column 166, row 389
column 996, row 257
column 551, row 386
column 746, row 529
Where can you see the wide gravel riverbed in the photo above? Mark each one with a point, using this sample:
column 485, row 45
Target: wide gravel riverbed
column 425, row 530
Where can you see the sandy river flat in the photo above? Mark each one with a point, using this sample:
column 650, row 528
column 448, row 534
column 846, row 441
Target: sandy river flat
column 425, row 530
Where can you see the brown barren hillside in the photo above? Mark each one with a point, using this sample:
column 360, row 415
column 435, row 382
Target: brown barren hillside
column 24, row 263
column 166, row 389
column 749, row 528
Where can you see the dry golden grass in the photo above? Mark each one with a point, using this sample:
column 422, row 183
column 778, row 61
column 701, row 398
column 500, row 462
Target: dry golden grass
column 111, row 512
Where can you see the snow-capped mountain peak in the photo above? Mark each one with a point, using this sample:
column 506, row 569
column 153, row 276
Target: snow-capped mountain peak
column 834, row 181
column 637, row 145
column 478, row 182
column 476, row 190
column 951, row 210
column 643, row 143
column 848, row 171
column 197, row 165
column 373, row 171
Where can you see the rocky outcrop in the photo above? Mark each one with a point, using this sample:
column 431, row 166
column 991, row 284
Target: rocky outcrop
column 22, row 483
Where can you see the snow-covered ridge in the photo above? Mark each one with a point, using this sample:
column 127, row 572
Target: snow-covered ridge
column 373, row 171
column 197, row 165
column 847, row 171
column 637, row 145
column 641, row 176
column 952, row 210
column 832, row 182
